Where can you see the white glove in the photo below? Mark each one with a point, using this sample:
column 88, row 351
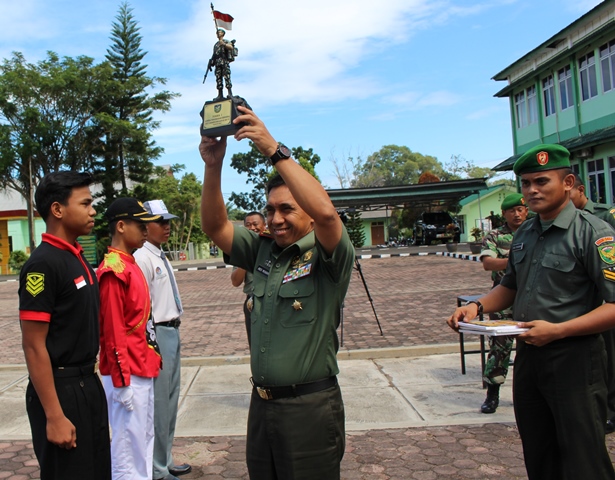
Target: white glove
column 124, row 396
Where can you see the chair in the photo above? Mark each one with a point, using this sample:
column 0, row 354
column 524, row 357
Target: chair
column 462, row 300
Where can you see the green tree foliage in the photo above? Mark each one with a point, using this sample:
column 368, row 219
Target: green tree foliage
column 354, row 225
column 125, row 144
column 458, row 168
column 394, row 165
column 47, row 112
column 17, row 260
column 258, row 171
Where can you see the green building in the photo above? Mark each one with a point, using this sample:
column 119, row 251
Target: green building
column 563, row 92
column 479, row 206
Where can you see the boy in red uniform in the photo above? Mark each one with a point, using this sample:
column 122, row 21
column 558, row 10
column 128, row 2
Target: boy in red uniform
column 129, row 355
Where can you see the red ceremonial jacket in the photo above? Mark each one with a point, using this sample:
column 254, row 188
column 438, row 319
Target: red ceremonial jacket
column 127, row 337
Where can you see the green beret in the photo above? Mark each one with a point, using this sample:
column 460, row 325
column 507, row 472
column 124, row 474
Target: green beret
column 541, row 158
column 513, row 200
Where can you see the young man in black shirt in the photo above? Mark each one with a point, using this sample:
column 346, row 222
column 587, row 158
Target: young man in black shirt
column 58, row 310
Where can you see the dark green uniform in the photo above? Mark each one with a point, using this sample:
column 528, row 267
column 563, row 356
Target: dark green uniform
column 496, row 244
column 248, row 303
column 603, row 212
column 559, row 389
column 606, row 213
column 298, row 292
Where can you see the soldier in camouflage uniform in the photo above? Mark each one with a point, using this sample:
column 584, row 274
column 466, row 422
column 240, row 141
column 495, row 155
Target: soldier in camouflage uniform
column 494, row 257
column 606, row 213
column 224, row 53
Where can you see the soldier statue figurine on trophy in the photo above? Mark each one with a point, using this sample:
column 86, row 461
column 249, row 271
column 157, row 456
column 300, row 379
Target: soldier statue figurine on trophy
column 218, row 114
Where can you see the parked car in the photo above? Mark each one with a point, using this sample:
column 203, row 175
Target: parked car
column 435, row 226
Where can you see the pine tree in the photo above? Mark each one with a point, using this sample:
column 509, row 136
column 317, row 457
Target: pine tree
column 127, row 149
column 354, row 225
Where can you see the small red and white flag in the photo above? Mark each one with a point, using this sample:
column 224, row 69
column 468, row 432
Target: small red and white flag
column 223, row 20
column 80, row 282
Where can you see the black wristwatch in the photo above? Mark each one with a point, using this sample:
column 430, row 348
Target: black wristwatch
column 478, row 304
column 282, row 153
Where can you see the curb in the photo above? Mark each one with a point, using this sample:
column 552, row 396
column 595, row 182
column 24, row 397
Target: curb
column 342, row 355
column 461, row 256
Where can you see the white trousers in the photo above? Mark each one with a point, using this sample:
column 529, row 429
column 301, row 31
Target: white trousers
column 132, row 433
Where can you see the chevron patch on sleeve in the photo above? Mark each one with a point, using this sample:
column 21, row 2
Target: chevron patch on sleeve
column 35, row 283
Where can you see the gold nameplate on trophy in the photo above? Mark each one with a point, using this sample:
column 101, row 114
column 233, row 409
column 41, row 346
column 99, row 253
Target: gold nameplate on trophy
column 217, row 114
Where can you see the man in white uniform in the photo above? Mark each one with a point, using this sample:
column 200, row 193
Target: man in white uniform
column 167, row 310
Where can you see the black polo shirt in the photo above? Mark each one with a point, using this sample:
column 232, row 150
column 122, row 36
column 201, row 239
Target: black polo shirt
column 59, row 286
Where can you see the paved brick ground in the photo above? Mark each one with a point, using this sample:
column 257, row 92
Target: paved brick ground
column 412, row 296
column 457, row 452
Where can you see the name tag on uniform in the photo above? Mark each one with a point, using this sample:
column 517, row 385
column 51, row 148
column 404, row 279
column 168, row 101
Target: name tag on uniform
column 262, row 270
column 515, row 247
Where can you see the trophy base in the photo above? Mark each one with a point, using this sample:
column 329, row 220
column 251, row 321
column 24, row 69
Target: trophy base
column 218, row 116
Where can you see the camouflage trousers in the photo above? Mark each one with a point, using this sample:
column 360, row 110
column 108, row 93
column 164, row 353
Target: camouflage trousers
column 498, row 359
column 223, row 74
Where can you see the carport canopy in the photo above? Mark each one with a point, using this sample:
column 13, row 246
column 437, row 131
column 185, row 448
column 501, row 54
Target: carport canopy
column 425, row 194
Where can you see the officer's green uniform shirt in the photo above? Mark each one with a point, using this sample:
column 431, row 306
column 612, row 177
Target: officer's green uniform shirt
column 603, row 212
column 298, row 292
column 563, row 272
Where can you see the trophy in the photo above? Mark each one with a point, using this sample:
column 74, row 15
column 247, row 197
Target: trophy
column 218, row 114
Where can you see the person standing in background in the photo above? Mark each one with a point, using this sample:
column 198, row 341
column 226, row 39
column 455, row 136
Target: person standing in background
column 494, row 257
column 254, row 221
column 167, row 310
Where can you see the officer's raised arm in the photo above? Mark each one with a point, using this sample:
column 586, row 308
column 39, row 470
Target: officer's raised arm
column 214, row 219
column 306, row 190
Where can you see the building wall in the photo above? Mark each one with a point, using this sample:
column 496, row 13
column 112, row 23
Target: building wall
column 18, row 230
column 470, row 213
column 581, row 116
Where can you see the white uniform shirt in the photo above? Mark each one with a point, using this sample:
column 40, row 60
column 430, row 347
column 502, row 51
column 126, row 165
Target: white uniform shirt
column 164, row 307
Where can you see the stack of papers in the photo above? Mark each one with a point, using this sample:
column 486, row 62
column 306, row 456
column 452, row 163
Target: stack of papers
column 491, row 328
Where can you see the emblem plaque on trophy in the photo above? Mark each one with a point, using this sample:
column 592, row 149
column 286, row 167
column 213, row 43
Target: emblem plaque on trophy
column 218, row 114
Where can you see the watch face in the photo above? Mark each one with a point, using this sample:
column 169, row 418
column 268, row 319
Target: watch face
column 284, row 150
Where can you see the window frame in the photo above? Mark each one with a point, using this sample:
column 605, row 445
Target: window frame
column 587, row 76
column 548, row 93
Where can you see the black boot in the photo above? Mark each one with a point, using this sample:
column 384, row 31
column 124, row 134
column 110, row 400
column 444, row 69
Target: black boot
column 493, row 399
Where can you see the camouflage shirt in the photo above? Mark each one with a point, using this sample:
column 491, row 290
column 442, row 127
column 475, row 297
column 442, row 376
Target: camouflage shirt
column 496, row 244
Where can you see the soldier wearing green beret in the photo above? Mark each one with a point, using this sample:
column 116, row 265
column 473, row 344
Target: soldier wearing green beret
column 560, row 281
column 494, row 257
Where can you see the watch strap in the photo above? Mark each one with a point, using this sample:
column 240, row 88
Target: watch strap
column 478, row 304
column 279, row 154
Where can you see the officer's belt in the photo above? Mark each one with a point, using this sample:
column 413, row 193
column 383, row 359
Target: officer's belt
column 176, row 322
column 83, row 371
column 275, row 393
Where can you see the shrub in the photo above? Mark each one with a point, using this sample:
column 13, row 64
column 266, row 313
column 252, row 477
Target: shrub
column 17, row 260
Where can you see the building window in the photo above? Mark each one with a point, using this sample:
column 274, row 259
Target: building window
column 575, row 168
column 587, row 72
column 607, row 62
column 564, row 77
column 526, row 107
column 612, row 175
column 548, row 92
column 595, row 174
column 532, row 104
column 520, row 109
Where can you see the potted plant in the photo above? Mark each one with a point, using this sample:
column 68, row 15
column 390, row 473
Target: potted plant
column 451, row 245
column 477, row 245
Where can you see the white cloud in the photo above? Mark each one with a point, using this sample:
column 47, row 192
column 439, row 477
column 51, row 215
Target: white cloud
column 303, row 52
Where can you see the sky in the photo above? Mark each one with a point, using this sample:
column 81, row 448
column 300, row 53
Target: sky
column 341, row 77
